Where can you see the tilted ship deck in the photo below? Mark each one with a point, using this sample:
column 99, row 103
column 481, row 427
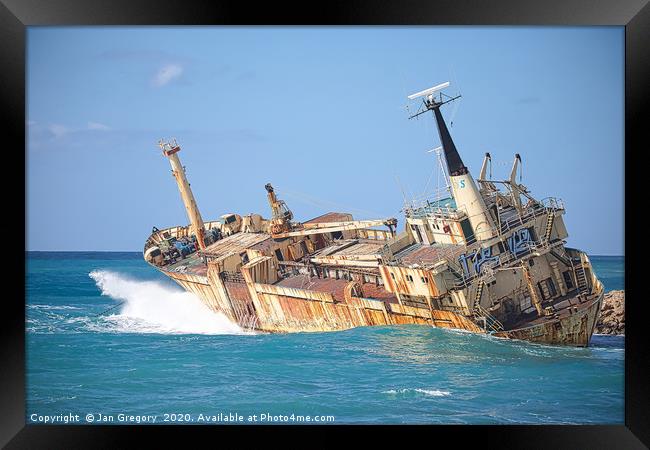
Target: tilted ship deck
column 490, row 258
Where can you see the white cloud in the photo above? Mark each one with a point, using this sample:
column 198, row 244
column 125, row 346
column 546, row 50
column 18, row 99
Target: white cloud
column 166, row 74
column 58, row 130
column 97, row 126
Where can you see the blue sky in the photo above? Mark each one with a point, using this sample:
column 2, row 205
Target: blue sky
column 320, row 113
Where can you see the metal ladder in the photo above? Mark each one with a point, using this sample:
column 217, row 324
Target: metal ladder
column 550, row 218
column 581, row 278
column 489, row 320
column 479, row 294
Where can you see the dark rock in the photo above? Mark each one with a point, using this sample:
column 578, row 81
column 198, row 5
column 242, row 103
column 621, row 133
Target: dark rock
column 612, row 314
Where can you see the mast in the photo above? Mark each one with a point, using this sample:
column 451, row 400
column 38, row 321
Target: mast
column 463, row 186
column 486, row 160
column 170, row 150
column 516, row 191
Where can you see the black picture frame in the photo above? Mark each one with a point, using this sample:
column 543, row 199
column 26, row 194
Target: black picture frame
column 16, row 15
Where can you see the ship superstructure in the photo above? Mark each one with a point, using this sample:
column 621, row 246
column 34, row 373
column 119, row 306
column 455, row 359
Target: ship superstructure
column 487, row 257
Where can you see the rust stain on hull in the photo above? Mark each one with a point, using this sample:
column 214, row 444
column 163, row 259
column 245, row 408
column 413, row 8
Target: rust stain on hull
column 279, row 309
column 274, row 309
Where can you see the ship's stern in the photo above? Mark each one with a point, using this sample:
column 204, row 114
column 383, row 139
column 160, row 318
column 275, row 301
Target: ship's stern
column 574, row 324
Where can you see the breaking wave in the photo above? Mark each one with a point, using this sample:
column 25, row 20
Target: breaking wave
column 151, row 307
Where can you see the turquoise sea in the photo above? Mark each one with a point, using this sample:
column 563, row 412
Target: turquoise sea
column 161, row 353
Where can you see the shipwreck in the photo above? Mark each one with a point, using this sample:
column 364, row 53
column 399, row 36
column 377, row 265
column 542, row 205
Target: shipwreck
column 481, row 255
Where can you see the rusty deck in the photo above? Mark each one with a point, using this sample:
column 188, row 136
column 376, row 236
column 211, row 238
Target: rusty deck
column 572, row 325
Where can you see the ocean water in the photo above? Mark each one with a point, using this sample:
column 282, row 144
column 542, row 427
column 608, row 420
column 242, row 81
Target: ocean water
column 159, row 352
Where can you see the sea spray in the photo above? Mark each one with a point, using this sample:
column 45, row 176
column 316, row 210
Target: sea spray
column 151, row 307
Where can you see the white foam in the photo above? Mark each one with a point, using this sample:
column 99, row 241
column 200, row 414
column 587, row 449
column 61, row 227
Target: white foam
column 433, row 392
column 151, row 307
column 429, row 392
column 52, row 307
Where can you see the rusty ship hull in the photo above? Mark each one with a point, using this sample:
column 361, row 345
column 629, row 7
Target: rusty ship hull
column 485, row 257
column 574, row 328
column 257, row 298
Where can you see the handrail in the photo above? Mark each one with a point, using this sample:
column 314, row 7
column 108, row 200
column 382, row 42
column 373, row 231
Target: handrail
column 552, row 202
column 491, row 321
column 545, row 206
column 436, row 196
column 507, row 226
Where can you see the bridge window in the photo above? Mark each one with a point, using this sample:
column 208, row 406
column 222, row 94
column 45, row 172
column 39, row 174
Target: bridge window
column 567, row 279
column 547, row 289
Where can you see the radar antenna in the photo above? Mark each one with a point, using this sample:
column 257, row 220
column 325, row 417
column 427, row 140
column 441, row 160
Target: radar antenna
column 433, row 98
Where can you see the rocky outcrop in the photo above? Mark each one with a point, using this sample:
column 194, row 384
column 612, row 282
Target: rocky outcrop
column 612, row 314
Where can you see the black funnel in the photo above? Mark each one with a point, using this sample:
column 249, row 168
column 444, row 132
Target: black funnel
column 454, row 163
